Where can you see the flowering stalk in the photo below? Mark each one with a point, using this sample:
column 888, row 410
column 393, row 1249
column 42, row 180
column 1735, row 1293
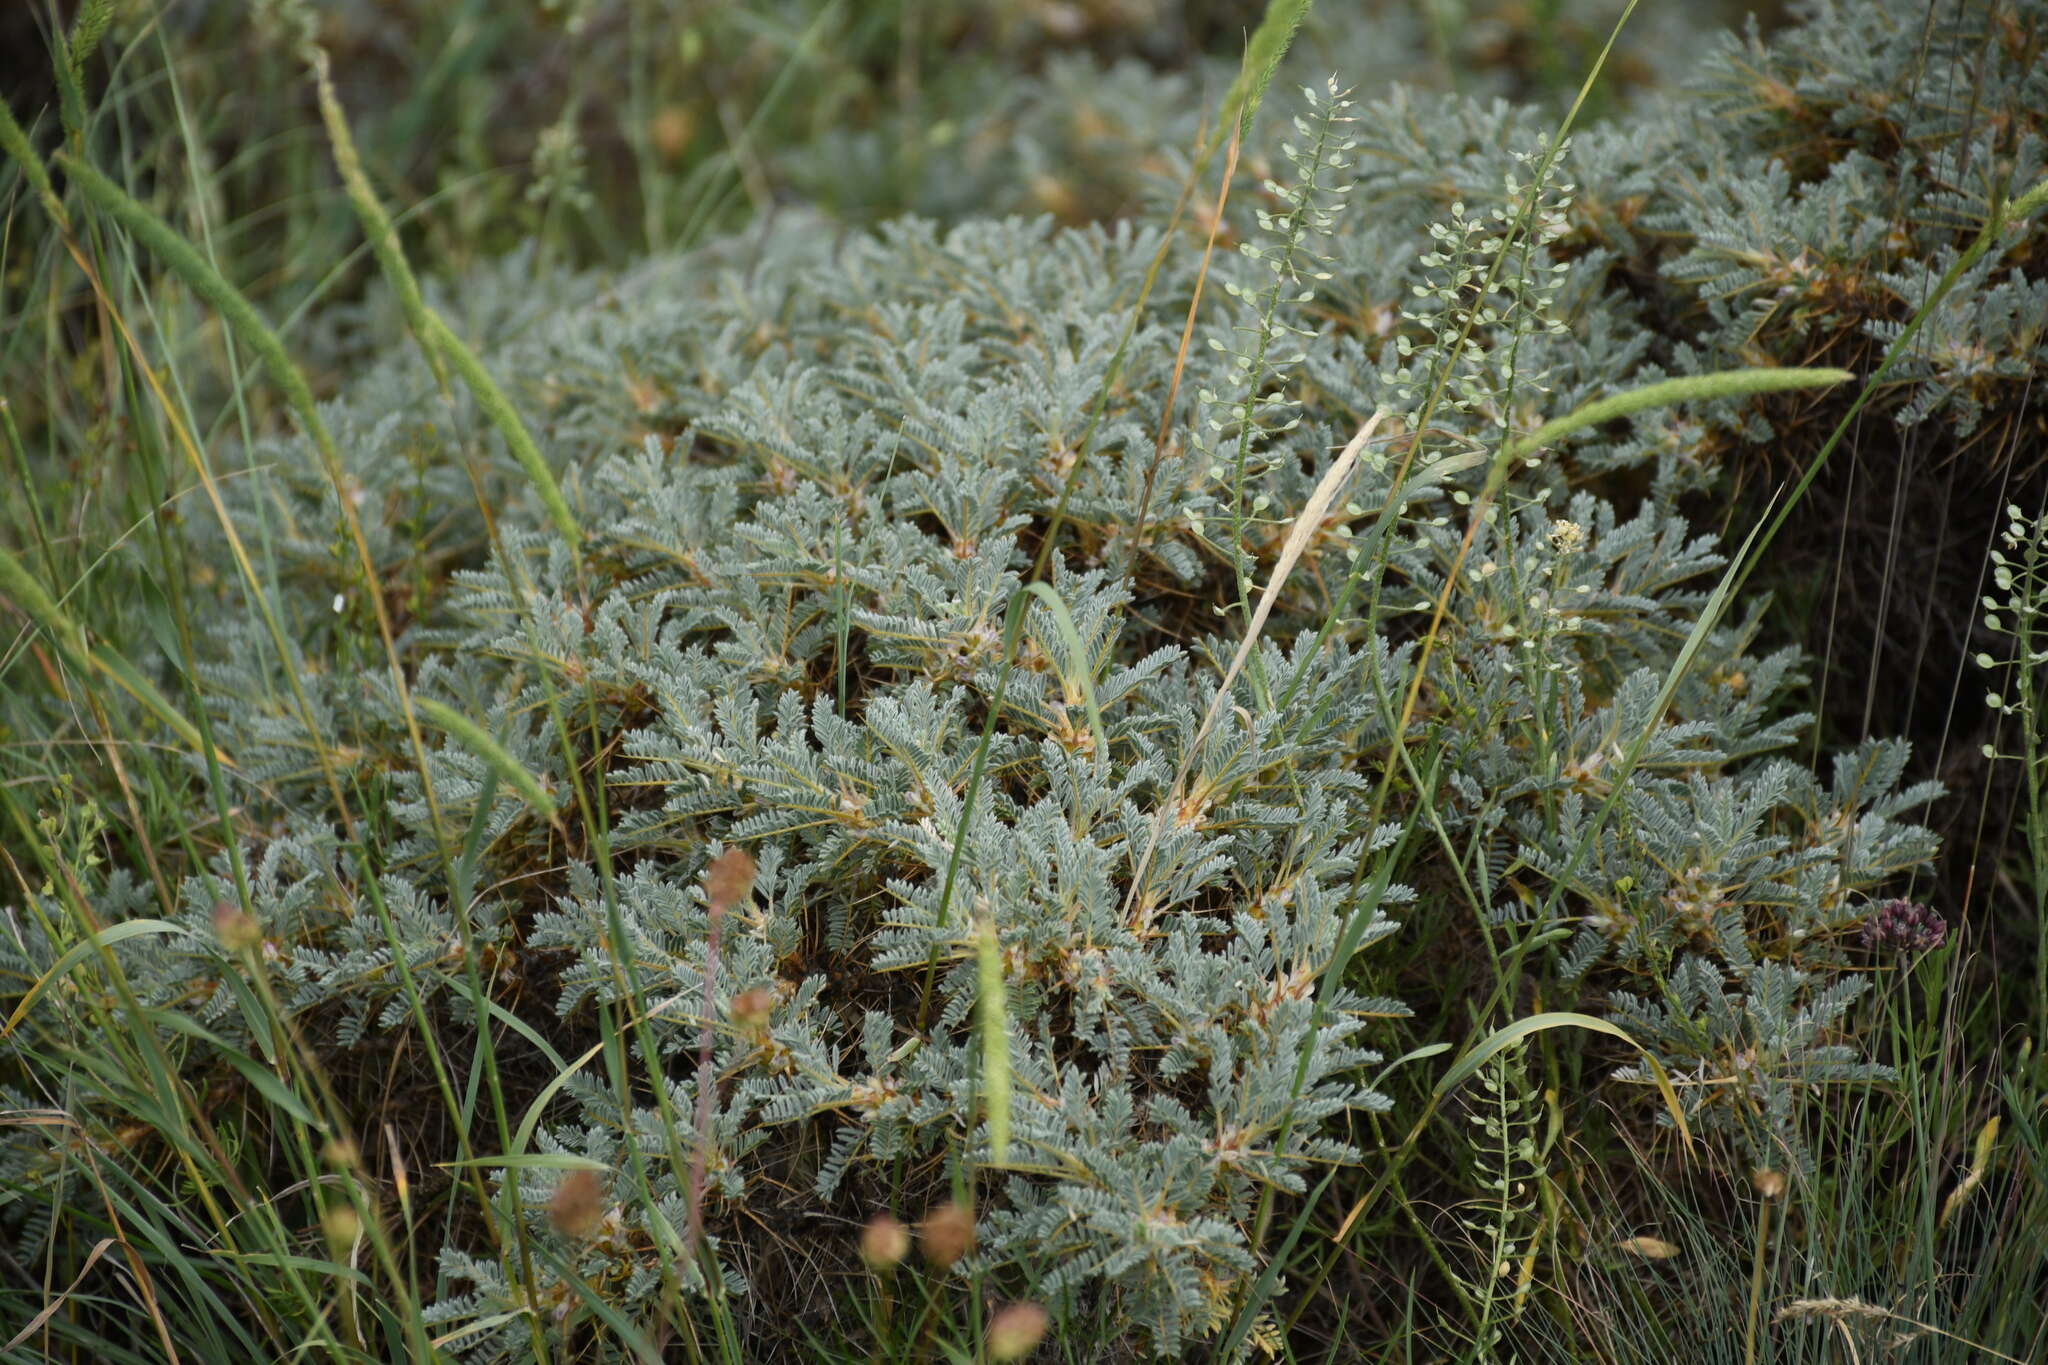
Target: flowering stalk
column 730, row 879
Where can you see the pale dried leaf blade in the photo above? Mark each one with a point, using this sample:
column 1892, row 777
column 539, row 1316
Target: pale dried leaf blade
column 35, row 1324
column 1298, row 537
column 1304, row 529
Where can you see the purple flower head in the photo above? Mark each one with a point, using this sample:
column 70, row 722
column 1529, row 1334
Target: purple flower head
column 1904, row 927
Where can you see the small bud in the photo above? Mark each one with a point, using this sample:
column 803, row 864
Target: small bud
column 341, row 1153
column 236, row 929
column 884, row 1242
column 1769, row 1183
column 671, row 131
column 947, row 1234
column 1054, row 196
column 342, row 1227
column 1649, row 1248
column 1015, row 1330
column 578, row 1204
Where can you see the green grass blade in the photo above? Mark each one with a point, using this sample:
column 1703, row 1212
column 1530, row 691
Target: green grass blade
column 478, row 741
column 547, row 1093
column 1080, row 677
column 1671, row 392
column 79, row 952
column 20, row 587
column 106, row 660
column 198, row 273
column 1509, row 1034
column 533, row 1161
column 505, row 418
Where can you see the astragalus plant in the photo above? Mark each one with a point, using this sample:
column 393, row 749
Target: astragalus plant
column 887, row 559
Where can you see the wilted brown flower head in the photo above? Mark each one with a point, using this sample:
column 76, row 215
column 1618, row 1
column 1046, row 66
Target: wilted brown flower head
column 578, row 1204
column 752, row 1009
column 236, row 929
column 730, row 878
column 947, row 1234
